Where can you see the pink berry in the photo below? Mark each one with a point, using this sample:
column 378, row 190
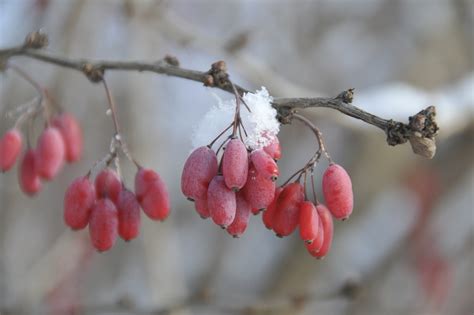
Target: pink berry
column 78, row 201
column 28, row 178
column 10, row 148
column 337, row 190
column 198, row 171
column 315, row 246
column 128, row 215
column 268, row 214
column 328, row 228
column 221, row 202
column 274, row 149
column 235, row 164
column 108, row 185
column 201, row 208
column 259, row 191
column 264, row 164
column 309, row 221
column 72, row 135
column 242, row 215
column 103, row 224
column 49, row 153
column 287, row 214
column 152, row 194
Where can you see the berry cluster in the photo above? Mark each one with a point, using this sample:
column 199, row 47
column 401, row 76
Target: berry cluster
column 110, row 209
column 60, row 141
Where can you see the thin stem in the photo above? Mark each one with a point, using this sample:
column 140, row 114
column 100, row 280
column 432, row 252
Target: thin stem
column 112, row 107
column 219, row 135
column 237, row 111
column 317, row 133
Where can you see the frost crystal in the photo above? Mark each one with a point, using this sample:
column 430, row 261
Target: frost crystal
column 261, row 124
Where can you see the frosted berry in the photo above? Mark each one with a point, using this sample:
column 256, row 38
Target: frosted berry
column 28, row 178
column 259, row 191
column 221, row 202
column 242, row 215
column 128, row 215
column 309, row 221
column 152, row 194
column 337, row 190
column 49, row 153
column 78, row 201
column 103, row 224
column 274, row 149
column 264, row 164
column 10, row 148
column 287, row 214
column 268, row 214
column 328, row 228
column 235, row 164
column 315, row 246
column 108, row 185
column 201, row 207
column 198, row 171
column 72, row 135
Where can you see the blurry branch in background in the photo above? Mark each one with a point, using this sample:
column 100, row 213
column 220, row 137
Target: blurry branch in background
column 420, row 130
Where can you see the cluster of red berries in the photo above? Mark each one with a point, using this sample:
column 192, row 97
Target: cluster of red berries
column 60, row 141
column 110, row 209
column 244, row 182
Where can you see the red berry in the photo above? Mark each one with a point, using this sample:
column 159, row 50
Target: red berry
column 287, row 214
column 259, row 191
column 103, row 224
column 72, row 135
column 235, row 164
column 78, row 201
column 309, row 221
column 108, row 185
column 201, row 208
column 10, row 148
column 268, row 214
column 198, row 171
column 242, row 215
column 152, row 194
column 49, row 153
column 337, row 190
column 274, row 149
column 328, row 228
column 264, row 164
column 128, row 215
column 315, row 246
column 221, row 202
column 28, row 178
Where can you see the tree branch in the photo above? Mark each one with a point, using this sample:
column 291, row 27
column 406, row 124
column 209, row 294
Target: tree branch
column 420, row 130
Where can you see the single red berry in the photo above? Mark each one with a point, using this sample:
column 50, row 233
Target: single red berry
column 259, row 191
column 78, row 201
column 221, row 202
column 152, row 194
column 28, row 178
column 128, row 215
column 103, row 224
column 201, row 207
column 108, row 185
column 264, row 164
column 235, row 164
column 10, row 148
column 309, row 221
column 72, row 135
column 287, row 214
column 49, row 153
column 274, row 149
column 315, row 246
column 328, row 228
column 242, row 215
column 337, row 190
column 268, row 214
column 198, row 171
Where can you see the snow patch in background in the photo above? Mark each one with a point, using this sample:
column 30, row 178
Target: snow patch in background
column 261, row 124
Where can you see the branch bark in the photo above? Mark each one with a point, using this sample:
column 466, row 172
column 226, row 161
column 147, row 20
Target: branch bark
column 420, row 130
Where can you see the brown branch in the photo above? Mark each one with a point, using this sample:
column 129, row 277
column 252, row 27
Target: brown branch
column 420, row 131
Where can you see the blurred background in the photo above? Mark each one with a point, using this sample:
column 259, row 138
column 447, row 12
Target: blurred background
column 407, row 248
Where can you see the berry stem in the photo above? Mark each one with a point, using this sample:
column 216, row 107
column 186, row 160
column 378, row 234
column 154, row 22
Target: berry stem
column 219, row 135
column 317, row 133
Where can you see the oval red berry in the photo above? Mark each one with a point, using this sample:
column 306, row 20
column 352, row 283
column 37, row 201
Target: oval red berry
column 221, row 202
column 309, row 221
column 259, row 191
column 128, row 215
column 30, row 182
column 242, row 215
column 328, row 228
column 152, row 194
column 78, row 201
column 108, row 185
column 103, row 224
column 337, row 190
column 10, row 148
column 287, row 214
column 235, row 164
column 201, row 208
column 269, row 213
column 72, row 135
column 264, row 164
column 49, row 153
column 198, row 171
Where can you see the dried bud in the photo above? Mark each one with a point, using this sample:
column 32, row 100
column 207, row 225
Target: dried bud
column 93, row 73
column 36, row 40
column 423, row 146
column 219, row 66
column 208, row 80
column 172, row 60
column 346, row 96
